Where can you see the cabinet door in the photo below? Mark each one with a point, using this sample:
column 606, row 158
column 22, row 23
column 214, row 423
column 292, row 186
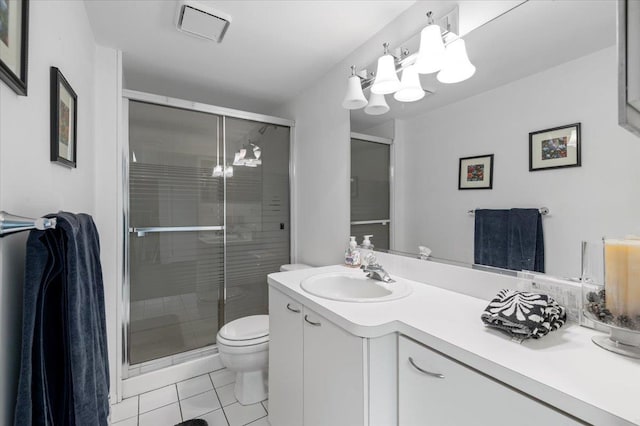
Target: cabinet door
column 334, row 374
column 285, row 360
column 461, row 396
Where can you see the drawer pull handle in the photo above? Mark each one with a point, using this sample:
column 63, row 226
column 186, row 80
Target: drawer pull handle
column 306, row 318
column 428, row 373
column 297, row 311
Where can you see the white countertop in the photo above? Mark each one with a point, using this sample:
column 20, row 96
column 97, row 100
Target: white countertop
column 564, row 369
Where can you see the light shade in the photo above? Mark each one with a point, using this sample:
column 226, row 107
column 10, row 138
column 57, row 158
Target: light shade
column 457, row 66
column 410, row 87
column 377, row 105
column 386, row 78
column 354, row 99
column 217, row 171
column 432, row 50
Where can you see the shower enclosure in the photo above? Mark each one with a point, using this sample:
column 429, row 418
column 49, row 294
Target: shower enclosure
column 208, row 219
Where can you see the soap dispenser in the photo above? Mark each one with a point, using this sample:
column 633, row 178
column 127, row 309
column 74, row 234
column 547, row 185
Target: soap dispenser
column 366, row 248
column 352, row 254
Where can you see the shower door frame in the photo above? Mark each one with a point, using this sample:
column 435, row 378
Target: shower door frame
column 392, row 183
column 222, row 113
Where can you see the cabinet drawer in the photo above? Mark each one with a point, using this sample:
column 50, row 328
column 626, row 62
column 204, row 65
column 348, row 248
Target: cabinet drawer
column 435, row 390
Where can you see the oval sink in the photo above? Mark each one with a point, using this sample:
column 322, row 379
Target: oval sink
column 354, row 288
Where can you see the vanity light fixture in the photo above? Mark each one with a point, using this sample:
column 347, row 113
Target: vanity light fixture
column 441, row 51
column 354, row 99
column 386, row 80
column 248, row 156
column 457, row 66
column 377, row 105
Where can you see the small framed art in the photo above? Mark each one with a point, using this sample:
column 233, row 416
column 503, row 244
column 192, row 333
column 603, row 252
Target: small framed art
column 555, row 148
column 64, row 120
column 476, row 172
column 14, row 40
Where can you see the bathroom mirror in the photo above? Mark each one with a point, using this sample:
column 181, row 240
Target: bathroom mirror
column 539, row 66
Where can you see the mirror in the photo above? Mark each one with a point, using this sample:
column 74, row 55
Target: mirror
column 540, row 66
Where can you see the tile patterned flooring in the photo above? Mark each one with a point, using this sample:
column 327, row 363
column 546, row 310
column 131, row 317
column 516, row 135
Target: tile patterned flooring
column 209, row 397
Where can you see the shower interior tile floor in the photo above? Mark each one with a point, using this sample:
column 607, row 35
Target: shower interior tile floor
column 209, row 397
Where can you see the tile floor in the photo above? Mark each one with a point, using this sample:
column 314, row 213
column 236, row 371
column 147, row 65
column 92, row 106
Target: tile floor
column 209, row 397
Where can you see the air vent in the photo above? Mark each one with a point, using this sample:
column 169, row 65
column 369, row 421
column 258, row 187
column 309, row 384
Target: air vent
column 202, row 21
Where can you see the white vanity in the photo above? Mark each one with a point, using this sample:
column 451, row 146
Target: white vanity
column 427, row 359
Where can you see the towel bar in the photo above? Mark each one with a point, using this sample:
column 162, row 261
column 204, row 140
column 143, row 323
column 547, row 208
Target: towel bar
column 543, row 211
column 10, row 223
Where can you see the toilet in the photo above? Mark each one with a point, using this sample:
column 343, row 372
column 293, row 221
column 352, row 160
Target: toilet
column 243, row 345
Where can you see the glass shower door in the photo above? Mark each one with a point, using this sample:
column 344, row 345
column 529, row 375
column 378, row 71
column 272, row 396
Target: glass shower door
column 176, row 239
column 257, row 212
column 370, row 186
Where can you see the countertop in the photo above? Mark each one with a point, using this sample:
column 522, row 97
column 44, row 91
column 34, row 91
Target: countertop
column 564, row 369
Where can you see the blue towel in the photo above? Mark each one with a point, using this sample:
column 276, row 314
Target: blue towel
column 509, row 239
column 525, row 241
column 64, row 373
column 490, row 238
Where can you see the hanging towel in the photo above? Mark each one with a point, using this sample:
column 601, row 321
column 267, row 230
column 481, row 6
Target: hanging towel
column 509, row 239
column 525, row 246
column 490, row 238
column 524, row 315
column 64, row 373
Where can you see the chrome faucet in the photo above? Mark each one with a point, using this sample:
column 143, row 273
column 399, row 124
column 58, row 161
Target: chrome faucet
column 375, row 271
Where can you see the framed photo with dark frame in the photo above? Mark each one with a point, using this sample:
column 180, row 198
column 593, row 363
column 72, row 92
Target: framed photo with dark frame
column 476, row 172
column 14, row 41
column 555, row 148
column 64, row 120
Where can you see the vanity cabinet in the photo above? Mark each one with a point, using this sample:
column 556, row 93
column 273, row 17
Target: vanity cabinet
column 285, row 360
column 436, row 390
column 332, row 362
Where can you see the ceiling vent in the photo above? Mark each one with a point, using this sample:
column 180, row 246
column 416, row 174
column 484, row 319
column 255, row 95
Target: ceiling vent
column 202, row 21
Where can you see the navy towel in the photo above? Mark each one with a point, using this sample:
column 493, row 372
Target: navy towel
column 64, row 373
column 509, row 239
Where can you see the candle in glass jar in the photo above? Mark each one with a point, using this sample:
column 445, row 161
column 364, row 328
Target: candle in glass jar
column 633, row 278
column 622, row 276
column 615, row 275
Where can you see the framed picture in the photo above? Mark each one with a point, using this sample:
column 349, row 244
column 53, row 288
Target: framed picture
column 64, row 120
column 14, row 31
column 476, row 172
column 555, row 148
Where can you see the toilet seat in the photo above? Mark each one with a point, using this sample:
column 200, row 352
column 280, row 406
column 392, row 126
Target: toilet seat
column 247, row 331
column 241, row 343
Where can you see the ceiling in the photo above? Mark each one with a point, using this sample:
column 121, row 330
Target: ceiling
column 530, row 38
column 270, row 53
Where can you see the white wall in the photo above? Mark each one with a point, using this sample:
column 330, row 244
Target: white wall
column 322, row 152
column 30, row 184
column 598, row 199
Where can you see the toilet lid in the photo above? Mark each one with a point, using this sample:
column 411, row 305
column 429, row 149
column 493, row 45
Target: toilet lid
column 247, row 328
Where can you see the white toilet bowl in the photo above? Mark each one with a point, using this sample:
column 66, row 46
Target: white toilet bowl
column 244, row 348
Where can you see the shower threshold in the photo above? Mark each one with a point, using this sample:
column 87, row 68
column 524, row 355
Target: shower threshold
column 171, row 360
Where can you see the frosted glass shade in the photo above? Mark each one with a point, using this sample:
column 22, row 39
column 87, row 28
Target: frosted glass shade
column 457, row 66
column 354, row 99
column 386, row 77
column 377, row 105
column 410, row 88
column 217, row 171
column 432, row 50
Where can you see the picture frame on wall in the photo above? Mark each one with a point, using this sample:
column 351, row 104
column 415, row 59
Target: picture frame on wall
column 14, row 41
column 64, row 120
column 476, row 172
column 555, row 148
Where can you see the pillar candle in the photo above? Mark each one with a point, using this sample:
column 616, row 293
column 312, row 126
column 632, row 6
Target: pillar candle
column 615, row 275
column 633, row 278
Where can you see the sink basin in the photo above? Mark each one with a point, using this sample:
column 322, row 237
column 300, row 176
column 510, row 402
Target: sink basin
column 354, row 288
